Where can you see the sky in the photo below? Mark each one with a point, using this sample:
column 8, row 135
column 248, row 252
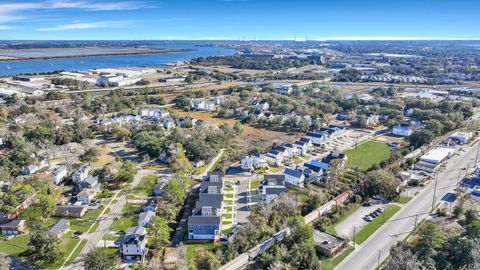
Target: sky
column 239, row 19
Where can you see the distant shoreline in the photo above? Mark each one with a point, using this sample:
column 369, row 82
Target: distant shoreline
column 7, row 58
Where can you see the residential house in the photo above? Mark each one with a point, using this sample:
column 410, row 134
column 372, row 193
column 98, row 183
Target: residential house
column 81, row 174
column 59, row 174
column 60, row 228
column 333, row 155
column 204, row 223
column 168, row 123
column 271, row 186
column 76, row 211
column 259, row 161
column 14, row 227
column 133, row 247
column 284, row 88
column 246, row 163
column 30, row 169
column 302, row 147
column 274, row 158
column 145, row 218
column 150, row 205
column 156, row 114
column 294, row 177
column 293, row 150
column 87, row 195
column 91, row 182
column 402, row 130
column 262, row 105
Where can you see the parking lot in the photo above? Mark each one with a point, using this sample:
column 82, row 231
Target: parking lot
column 345, row 229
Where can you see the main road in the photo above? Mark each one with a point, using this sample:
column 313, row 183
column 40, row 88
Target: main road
column 373, row 251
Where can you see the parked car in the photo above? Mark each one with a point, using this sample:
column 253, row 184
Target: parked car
column 379, row 210
column 367, row 218
column 374, row 214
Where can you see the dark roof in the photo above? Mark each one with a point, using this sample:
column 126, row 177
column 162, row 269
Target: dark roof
column 13, row 223
column 331, row 156
column 275, row 190
column 314, row 134
column 294, row 173
column 274, row 152
column 276, row 177
column 213, row 200
column 60, row 227
column 204, row 220
column 304, row 140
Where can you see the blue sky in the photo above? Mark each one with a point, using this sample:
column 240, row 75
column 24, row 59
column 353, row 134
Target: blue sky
column 238, row 19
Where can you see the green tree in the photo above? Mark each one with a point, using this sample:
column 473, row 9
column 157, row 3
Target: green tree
column 174, row 192
column 472, row 230
column 382, row 182
column 160, row 232
column 43, row 246
column 90, row 156
column 99, row 259
column 127, row 172
column 208, row 261
column 47, row 205
column 421, row 137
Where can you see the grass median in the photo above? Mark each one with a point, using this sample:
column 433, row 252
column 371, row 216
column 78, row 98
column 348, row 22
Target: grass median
column 373, row 226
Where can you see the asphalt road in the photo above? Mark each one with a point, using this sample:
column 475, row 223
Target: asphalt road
column 377, row 247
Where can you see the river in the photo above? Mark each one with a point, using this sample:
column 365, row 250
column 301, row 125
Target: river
column 87, row 63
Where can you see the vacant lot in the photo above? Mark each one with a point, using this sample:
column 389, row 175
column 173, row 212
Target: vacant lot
column 365, row 155
column 373, row 226
column 251, row 139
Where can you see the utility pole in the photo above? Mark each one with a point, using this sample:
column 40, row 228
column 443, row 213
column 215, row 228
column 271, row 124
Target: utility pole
column 354, row 228
column 459, row 172
column 415, row 225
column 476, row 158
column 434, row 192
column 378, row 262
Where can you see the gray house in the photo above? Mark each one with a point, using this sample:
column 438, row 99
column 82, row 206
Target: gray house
column 60, row 228
column 204, row 223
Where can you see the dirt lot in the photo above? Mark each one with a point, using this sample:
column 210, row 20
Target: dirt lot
column 251, row 139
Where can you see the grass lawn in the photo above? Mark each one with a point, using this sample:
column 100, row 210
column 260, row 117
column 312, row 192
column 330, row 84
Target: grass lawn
column 66, row 245
column 254, row 184
column 228, row 196
column 276, row 169
column 373, row 226
column 128, row 219
column 113, row 237
column 229, row 216
column 93, row 214
column 228, row 208
column 193, row 248
column 367, row 154
column 403, row 199
column 14, row 246
column 331, row 228
column 146, row 185
column 330, row 263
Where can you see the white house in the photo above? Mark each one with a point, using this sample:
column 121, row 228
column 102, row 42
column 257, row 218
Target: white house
column 133, row 247
column 402, row 130
column 294, row 177
column 59, row 175
column 271, row 186
column 274, row 158
column 86, row 196
column 81, row 174
column 259, row 161
column 246, row 163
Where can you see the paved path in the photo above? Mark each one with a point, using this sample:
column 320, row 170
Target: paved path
column 105, row 221
column 377, row 247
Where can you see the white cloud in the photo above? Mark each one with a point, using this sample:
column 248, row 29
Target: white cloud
column 15, row 11
column 88, row 25
column 4, row 27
